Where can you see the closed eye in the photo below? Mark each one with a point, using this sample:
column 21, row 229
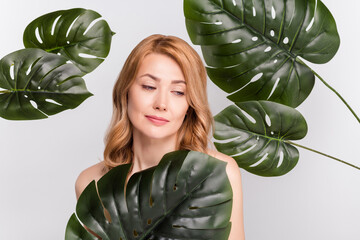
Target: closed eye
column 179, row 93
column 147, row 87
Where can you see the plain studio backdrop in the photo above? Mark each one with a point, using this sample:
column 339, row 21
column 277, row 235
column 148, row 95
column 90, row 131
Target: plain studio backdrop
column 40, row 160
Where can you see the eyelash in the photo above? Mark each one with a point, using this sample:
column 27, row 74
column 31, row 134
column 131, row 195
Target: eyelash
column 150, row 88
column 178, row 93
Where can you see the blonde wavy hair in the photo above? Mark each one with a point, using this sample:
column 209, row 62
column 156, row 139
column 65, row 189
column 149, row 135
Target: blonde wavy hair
column 194, row 132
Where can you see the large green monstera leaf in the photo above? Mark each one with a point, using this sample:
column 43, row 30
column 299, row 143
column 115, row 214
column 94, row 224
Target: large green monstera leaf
column 35, row 84
column 187, row 196
column 77, row 34
column 252, row 46
column 254, row 133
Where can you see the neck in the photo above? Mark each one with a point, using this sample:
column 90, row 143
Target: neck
column 148, row 151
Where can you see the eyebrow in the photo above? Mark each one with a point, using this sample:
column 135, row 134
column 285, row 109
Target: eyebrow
column 158, row 79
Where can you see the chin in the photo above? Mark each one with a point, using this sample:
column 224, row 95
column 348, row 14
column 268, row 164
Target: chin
column 158, row 134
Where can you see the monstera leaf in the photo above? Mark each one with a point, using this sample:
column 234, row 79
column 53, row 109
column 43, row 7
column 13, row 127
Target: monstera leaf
column 35, row 84
column 187, row 196
column 77, row 34
column 252, row 46
column 254, row 133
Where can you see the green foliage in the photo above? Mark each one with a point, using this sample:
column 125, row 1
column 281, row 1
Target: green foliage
column 253, row 49
column 252, row 46
column 254, row 133
column 45, row 78
column 186, row 196
column 72, row 33
column 33, row 75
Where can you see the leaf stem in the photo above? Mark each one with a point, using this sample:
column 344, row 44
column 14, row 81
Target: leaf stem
column 332, row 89
column 326, row 155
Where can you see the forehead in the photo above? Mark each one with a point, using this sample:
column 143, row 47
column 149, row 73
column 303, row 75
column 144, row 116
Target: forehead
column 161, row 67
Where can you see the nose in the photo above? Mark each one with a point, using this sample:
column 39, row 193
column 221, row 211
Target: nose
column 161, row 107
column 160, row 102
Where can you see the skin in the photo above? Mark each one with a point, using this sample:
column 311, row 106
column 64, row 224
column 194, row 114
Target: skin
column 159, row 91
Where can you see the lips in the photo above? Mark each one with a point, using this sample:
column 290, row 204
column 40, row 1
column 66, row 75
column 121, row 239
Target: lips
column 158, row 121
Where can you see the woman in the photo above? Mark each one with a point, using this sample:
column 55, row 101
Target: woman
column 160, row 105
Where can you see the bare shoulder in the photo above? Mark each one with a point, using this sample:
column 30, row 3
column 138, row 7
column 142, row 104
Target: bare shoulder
column 94, row 172
column 232, row 166
column 233, row 173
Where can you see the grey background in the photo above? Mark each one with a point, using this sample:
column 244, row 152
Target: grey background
column 40, row 160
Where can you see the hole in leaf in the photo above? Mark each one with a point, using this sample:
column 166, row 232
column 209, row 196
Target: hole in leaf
column 274, row 87
column 227, row 140
column 245, row 151
column 310, row 24
column 54, row 25
column 272, row 133
column 281, row 159
column 236, row 41
column 38, row 87
column 135, row 233
column 254, row 11
column 12, row 73
column 256, row 77
column 234, row 2
column 52, row 101
column 26, row 96
column 34, row 104
column 312, row 20
column 273, row 13
column 268, row 49
column 107, row 215
column 248, row 116
column 37, row 34
column 254, row 39
column 92, row 24
column 175, row 187
column 272, row 33
column 149, row 221
column 286, row 40
column 84, row 55
column 71, row 25
column 151, row 201
column 267, row 120
column 29, row 70
column 218, row 23
column 260, row 161
column 67, row 42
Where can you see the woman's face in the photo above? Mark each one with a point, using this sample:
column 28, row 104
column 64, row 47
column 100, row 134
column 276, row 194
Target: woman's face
column 157, row 102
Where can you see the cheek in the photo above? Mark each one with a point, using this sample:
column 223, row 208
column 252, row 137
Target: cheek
column 130, row 104
column 181, row 110
column 133, row 106
column 136, row 98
